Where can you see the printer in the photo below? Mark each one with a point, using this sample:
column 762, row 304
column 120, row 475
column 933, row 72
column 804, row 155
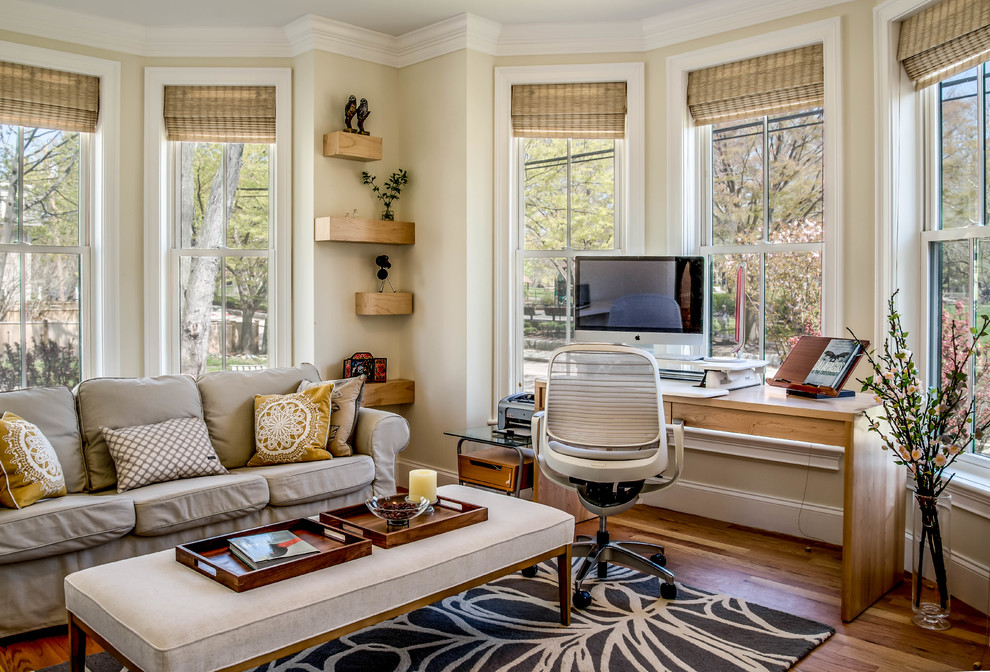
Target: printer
column 515, row 411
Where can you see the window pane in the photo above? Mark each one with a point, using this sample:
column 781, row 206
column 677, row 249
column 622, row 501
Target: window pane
column 795, row 179
column 546, row 324
column 249, row 221
column 737, row 183
column 960, row 151
column 723, row 305
column 592, row 194
column 51, row 187
column 201, row 313
column 793, row 301
column 545, row 194
column 246, row 318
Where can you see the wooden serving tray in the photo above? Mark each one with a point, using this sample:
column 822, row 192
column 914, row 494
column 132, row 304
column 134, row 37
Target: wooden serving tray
column 212, row 557
column 448, row 514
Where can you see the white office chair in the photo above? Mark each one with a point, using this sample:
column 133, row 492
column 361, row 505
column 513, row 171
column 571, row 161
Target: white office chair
column 602, row 434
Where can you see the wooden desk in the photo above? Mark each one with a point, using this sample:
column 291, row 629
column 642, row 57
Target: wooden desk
column 873, row 490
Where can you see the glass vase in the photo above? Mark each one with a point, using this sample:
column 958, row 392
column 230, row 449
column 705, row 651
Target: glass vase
column 930, row 557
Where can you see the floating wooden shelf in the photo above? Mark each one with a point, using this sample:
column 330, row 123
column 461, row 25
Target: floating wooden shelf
column 342, row 145
column 356, row 230
column 383, row 303
column 395, row 391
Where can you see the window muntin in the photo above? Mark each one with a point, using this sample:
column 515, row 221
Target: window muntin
column 44, row 255
column 767, row 210
column 958, row 238
column 569, row 204
column 224, row 222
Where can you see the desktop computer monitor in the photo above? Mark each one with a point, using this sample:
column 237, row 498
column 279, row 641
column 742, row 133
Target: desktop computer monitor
column 640, row 300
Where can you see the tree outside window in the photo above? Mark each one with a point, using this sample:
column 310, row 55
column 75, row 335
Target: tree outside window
column 224, row 255
column 766, row 213
column 569, row 209
column 41, row 256
column 959, row 241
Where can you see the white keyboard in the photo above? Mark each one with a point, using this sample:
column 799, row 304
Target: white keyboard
column 678, row 357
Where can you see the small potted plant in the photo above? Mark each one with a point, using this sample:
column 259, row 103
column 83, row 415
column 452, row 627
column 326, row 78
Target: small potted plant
column 389, row 192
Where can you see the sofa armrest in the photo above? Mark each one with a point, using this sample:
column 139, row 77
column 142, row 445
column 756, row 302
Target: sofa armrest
column 382, row 435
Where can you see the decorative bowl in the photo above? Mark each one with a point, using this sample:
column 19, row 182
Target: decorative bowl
column 397, row 510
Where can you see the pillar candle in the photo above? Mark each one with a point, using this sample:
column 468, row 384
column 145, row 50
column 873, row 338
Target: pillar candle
column 423, row 483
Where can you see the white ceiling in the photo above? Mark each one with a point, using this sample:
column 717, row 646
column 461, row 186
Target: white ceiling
column 393, row 17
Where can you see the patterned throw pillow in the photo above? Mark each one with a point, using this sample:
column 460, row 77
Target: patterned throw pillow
column 344, row 405
column 29, row 468
column 291, row 427
column 165, row 451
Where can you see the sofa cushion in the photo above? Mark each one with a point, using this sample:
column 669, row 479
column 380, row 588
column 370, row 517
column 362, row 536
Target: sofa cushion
column 344, row 405
column 291, row 427
column 165, row 451
column 29, row 468
column 228, row 405
column 53, row 411
column 290, row 484
column 126, row 402
column 62, row 525
column 162, row 508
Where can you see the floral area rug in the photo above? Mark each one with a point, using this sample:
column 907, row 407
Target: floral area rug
column 512, row 624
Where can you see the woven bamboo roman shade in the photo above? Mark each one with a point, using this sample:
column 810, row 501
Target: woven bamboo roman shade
column 945, row 39
column 220, row 113
column 585, row 110
column 44, row 98
column 769, row 84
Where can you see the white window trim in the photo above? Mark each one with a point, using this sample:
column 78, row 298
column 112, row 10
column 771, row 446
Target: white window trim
column 632, row 232
column 902, row 187
column 160, row 311
column 685, row 149
column 100, row 309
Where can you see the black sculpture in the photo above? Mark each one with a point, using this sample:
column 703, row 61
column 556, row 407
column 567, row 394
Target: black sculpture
column 350, row 109
column 362, row 114
column 383, row 266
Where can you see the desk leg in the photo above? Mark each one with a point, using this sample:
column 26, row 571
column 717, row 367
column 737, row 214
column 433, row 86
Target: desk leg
column 77, row 646
column 872, row 522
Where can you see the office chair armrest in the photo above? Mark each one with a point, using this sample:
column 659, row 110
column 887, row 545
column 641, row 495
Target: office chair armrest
column 677, row 427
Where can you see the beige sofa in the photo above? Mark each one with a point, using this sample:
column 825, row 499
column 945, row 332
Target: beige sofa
column 93, row 525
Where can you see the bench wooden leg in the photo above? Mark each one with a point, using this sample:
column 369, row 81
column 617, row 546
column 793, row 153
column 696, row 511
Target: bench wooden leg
column 564, row 585
column 77, row 646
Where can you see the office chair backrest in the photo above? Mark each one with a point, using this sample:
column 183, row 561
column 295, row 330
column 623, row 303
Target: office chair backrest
column 606, row 397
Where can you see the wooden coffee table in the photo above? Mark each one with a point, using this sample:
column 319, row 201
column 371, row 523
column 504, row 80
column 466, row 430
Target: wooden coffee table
column 156, row 615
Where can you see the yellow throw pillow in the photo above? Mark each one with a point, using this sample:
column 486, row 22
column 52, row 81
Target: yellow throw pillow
column 291, row 427
column 30, row 468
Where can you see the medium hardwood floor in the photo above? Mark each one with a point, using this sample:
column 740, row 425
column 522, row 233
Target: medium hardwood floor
column 777, row 571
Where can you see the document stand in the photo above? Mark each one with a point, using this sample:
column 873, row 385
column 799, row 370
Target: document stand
column 801, row 361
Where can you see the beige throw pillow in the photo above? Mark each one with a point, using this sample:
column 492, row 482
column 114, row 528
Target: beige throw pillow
column 29, row 468
column 344, row 404
column 165, row 451
column 291, row 427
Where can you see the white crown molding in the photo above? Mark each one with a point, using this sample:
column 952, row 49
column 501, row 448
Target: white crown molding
column 694, row 21
column 464, row 31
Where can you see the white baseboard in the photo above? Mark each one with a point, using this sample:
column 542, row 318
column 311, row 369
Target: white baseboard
column 765, row 512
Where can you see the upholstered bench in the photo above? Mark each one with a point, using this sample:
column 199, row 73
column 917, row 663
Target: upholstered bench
column 155, row 614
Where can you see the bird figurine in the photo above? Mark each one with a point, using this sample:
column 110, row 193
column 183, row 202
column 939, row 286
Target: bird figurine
column 350, row 109
column 362, row 114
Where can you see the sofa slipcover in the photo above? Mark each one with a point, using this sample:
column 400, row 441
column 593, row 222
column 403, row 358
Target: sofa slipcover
column 303, row 482
column 228, row 405
column 53, row 411
column 128, row 402
column 62, row 525
column 161, row 508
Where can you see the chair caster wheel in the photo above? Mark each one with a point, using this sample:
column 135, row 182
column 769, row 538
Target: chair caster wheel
column 529, row 572
column 668, row 591
column 659, row 559
column 582, row 599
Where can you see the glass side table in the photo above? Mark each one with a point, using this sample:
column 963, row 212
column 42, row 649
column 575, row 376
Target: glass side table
column 507, row 465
